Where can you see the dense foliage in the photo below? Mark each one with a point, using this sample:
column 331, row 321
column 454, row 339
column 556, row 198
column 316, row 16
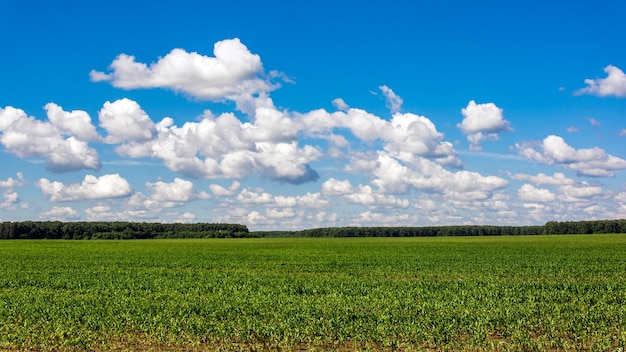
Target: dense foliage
column 116, row 230
column 585, row 227
column 423, row 231
column 552, row 227
column 522, row 293
column 136, row 230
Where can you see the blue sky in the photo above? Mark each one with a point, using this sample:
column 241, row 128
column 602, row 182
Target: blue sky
column 291, row 115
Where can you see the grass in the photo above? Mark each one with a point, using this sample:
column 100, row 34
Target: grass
column 461, row 293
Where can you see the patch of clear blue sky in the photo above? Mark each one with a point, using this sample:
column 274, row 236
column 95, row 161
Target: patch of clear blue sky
column 440, row 54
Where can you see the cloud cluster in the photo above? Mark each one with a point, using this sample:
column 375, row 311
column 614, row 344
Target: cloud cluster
column 62, row 140
column 406, row 172
column 557, row 179
column 362, row 194
column 224, row 147
column 613, row 85
column 553, row 150
column 233, row 73
column 482, row 122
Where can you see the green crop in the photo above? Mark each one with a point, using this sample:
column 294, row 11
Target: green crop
column 450, row 293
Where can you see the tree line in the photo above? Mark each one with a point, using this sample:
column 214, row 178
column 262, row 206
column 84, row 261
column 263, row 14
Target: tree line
column 551, row 227
column 117, row 230
column 143, row 230
column 408, row 231
column 585, row 227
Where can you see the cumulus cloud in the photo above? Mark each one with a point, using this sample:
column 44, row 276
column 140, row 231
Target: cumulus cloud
column 394, row 102
column 613, row 85
column 175, row 193
column 529, row 193
column 92, row 187
column 224, row 147
column 59, row 214
column 392, row 176
column 362, row 194
column 257, row 196
column 125, row 121
column 333, row 187
column 76, row 123
column 233, row 73
column 225, row 192
column 11, row 198
column 482, row 122
column 13, row 182
column 580, row 193
column 27, row 137
column 553, row 150
column 406, row 135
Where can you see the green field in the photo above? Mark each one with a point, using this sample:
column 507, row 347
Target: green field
column 461, row 293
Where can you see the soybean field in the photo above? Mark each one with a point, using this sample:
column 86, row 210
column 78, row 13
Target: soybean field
column 506, row 293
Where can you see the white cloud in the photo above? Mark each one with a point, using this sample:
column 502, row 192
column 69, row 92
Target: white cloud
column 417, row 135
column 60, row 214
column 426, row 175
column 103, row 213
column 254, row 217
column 613, row 85
column 406, row 135
column 12, row 182
column 482, row 122
column 394, row 102
column 365, row 195
column 92, row 187
column 333, row 187
column 125, row 121
column 248, row 196
column 27, row 137
column 175, row 193
column 340, row 104
column 553, row 150
column 223, row 147
column 11, row 198
column 557, row 179
column 528, row 193
column 580, row 193
column 234, row 73
column 225, row 192
column 76, row 123
column 186, row 218
column 274, row 213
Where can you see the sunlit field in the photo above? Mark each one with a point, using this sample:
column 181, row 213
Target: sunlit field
column 461, row 293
